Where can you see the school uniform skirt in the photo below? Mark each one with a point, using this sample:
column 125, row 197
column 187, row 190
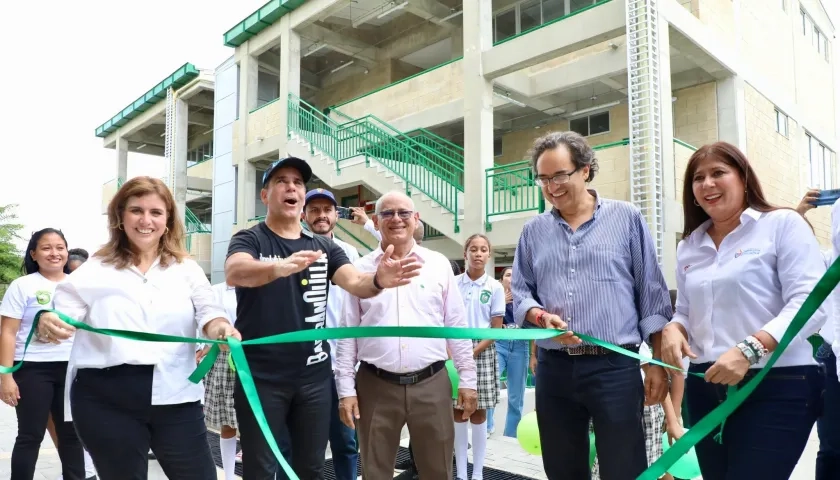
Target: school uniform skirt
column 487, row 373
column 218, row 394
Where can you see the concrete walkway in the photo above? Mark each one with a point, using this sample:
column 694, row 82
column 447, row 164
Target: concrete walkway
column 503, row 453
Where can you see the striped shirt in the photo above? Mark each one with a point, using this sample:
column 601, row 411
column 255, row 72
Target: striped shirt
column 603, row 279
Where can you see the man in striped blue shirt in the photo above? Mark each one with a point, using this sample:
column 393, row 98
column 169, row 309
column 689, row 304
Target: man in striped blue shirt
column 589, row 265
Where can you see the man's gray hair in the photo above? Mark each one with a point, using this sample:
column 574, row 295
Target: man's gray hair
column 582, row 153
column 392, row 193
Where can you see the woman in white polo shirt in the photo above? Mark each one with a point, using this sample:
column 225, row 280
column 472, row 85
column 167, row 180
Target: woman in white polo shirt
column 744, row 268
column 484, row 300
column 37, row 388
column 128, row 395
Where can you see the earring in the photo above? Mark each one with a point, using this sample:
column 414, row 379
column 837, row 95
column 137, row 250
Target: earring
column 695, row 202
column 120, row 226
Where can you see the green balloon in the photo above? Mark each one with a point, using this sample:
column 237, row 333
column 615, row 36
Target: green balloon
column 528, row 434
column 453, row 377
column 687, row 466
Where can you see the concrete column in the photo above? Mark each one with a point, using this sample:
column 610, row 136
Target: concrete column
column 732, row 119
column 672, row 212
column 289, row 74
column 248, row 83
column 478, row 114
column 179, row 156
column 122, row 159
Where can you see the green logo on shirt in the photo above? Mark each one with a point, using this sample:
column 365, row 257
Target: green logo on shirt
column 43, row 297
column 485, row 296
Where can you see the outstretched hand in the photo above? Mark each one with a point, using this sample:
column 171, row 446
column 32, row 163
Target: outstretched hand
column 296, row 262
column 395, row 272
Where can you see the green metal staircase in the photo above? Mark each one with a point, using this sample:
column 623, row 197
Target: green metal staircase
column 427, row 165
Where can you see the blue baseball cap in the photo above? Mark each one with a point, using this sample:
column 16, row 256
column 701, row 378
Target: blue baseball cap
column 317, row 193
column 297, row 163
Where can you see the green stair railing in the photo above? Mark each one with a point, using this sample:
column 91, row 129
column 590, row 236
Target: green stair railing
column 421, row 167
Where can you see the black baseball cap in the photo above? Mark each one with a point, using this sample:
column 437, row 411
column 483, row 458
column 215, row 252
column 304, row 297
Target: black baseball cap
column 297, row 163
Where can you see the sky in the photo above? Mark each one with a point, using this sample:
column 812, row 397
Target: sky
column 70, row 66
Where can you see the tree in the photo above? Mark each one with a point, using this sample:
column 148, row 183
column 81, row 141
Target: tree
column 10, row 258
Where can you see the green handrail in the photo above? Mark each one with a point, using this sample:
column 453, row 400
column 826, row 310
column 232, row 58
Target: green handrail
column 350, row 234
column 421, row 167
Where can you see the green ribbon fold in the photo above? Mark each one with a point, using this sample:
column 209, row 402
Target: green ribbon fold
column 680, row 448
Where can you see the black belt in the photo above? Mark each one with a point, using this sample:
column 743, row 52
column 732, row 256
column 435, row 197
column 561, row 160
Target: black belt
column 591, row 350
column 409, row 378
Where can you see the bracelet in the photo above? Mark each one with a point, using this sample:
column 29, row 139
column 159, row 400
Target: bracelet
column 759, row 348
column 748, row 352
column 376, row 284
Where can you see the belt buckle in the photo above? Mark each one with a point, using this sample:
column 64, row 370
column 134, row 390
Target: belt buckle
column 575, row 351
column 408, row 380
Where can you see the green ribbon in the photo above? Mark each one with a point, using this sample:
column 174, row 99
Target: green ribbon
column 240, row 363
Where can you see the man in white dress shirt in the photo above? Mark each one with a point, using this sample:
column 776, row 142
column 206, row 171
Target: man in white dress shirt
column 320, row 215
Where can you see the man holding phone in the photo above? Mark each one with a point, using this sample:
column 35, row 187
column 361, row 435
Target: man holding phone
column 321, row 213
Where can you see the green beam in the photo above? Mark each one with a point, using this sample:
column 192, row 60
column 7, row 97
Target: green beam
column 176, row 80
column 258, row 21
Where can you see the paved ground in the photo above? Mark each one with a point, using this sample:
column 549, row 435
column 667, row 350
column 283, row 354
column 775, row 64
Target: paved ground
column 502, row 453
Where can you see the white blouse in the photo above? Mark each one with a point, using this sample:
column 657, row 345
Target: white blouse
column 757, row 280
column 177, row 300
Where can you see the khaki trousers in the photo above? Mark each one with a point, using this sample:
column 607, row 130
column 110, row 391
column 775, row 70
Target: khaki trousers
column 384, row 408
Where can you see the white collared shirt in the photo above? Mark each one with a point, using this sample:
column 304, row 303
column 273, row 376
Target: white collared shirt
column 757, row 280
column 226, row 297
column 177, row 300
column 335, row 298
column 833, row 336
column 484, row 299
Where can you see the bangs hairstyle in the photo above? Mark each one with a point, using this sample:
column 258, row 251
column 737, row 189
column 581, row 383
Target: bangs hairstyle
column 729, row 154
column 118, row 251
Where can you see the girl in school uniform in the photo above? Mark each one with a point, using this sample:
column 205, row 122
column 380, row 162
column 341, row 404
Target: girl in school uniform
column 36, row 390
column 484, row 299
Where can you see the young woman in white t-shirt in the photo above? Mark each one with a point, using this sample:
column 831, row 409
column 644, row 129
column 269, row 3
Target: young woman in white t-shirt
column 37, row 389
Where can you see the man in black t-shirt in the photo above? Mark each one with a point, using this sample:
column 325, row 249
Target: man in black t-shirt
column 281, row 273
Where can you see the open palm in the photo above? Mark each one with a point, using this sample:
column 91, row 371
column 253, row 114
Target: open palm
column 395, row 272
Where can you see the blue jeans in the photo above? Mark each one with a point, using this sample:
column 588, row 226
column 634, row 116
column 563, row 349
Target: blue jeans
column 766, row 435
column 570, row 390
column 513, row 357
column 345, row 455
column 828, row 425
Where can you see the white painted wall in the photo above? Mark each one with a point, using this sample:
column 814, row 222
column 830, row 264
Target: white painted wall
column 224, row 174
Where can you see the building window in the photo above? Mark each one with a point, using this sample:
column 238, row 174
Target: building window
column 818, row 39
column 591, row 124
column 497, row 147
column 528, row 14
column 781, row 123
column 821, row 161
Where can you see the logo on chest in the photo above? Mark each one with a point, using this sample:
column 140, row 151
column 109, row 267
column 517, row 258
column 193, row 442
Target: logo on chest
column 484, row 297
column 747, row 252
column 43, row 297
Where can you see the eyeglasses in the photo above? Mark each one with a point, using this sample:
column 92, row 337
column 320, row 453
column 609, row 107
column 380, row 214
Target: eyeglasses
column 558, row 179
column 389, row 214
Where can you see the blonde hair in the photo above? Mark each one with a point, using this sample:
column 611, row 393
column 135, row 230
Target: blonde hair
column 118, row 249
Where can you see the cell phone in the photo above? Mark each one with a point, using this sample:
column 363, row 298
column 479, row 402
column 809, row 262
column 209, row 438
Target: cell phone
column 344, row 212
column 826, row 198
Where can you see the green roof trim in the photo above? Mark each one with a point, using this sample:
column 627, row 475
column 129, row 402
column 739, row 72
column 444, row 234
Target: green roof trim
column 258, row 21
column 178, row 79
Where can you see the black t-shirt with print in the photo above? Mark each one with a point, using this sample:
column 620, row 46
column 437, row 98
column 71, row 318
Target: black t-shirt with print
column 290, row 304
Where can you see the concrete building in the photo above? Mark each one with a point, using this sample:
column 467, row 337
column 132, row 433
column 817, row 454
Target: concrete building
column 142, row 126
column 442, row 98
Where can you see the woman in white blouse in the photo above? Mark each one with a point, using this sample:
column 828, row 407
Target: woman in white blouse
column 744, row 268
column 126, row 395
